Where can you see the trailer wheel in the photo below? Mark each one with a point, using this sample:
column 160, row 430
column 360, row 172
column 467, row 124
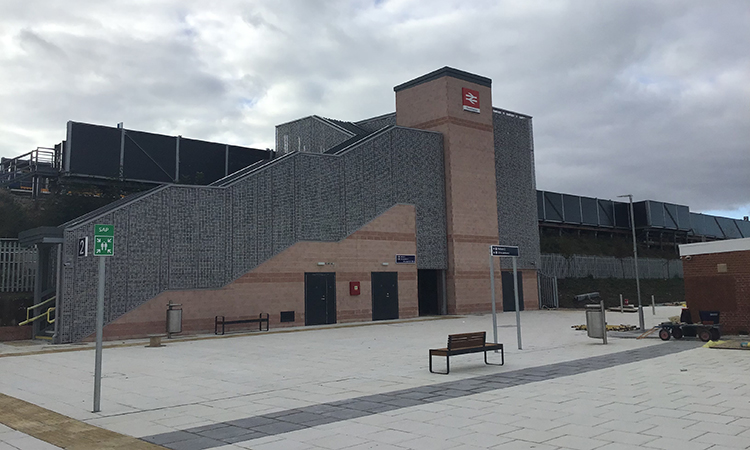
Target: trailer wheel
column 664, row 334
column 704, row 335
column 677, row 333
column 715, row 334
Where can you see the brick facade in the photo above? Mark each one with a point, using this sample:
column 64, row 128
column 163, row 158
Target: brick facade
column 15, row 333
column 470, row 184
column 242, row 246
column 709, row 288
column 279, row 283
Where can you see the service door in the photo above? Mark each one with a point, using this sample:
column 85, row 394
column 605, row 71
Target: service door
column 384, row 295
column 320, row 298
column 509, row 300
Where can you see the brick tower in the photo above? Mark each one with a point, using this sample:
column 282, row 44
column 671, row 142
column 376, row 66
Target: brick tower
column 458, row 104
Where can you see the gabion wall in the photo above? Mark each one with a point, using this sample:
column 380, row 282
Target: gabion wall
column 309, row 135
column 201, row 237
column 516, row 187
column 376, row 123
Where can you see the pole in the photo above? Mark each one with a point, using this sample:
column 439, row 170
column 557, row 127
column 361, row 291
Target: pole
column 492, row 288
column 622, row 307
column 515, row 294
column 604, row 322
column 653, row 305
column 635, row 259
column 635, row 256
column 99, row 326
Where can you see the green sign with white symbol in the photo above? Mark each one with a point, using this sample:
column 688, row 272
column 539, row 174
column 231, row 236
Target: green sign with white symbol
column 104, row 240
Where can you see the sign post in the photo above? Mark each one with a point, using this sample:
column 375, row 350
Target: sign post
column 104, row 245
column 512, row 252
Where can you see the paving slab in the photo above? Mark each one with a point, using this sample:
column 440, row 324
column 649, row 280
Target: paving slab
column 368, row 387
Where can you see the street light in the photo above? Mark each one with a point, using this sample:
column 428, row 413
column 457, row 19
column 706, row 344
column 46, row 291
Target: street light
column 635, row 256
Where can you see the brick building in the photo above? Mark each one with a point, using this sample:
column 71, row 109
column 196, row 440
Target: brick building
column 717, row 278
column 404, row 205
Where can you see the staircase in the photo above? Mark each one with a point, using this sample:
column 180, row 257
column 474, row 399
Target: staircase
column 28, row 171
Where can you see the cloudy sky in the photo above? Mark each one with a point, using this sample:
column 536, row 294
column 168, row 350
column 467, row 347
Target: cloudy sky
column 644, row 97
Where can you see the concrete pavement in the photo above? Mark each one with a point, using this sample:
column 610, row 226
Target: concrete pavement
column 368, row 386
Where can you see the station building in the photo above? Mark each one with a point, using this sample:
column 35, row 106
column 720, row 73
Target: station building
column 717, row 278
column 384, row 218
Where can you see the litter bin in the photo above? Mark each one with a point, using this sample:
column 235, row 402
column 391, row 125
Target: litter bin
column 174, row 319
column 596, row 324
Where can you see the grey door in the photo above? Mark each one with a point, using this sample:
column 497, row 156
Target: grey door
column 320, row 298
column 384, row 295
column 509, row 300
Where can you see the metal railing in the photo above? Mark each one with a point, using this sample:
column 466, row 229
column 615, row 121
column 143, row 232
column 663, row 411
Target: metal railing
column 15, row 169
column 17, row 266
column 46, row 313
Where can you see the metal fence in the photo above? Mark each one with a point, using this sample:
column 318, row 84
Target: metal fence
column 579, row 266
column 548, row 296
column 17, row 266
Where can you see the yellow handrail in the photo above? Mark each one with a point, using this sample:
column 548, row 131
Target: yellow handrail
column 49, row 311
column 31, row 308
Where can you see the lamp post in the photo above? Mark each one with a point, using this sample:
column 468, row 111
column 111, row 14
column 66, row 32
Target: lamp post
column 635, row 258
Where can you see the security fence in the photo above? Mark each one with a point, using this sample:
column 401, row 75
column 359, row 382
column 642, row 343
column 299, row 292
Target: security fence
column 17, row 266
column 579, row 266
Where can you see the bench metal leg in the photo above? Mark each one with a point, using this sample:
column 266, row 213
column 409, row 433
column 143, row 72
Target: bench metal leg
column 502, row 358
column 447, row 366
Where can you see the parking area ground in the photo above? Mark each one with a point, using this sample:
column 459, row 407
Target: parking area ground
column 367, row 386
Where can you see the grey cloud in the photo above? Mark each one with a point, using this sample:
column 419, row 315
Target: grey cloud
column 638, row 97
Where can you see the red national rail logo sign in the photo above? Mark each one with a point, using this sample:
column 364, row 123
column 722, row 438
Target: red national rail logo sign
column 470, row 99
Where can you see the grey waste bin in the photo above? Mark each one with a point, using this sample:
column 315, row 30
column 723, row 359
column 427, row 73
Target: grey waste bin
column 596, row 323
column 174, row 319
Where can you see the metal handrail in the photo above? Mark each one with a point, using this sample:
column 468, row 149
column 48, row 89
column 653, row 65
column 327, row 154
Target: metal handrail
column 48, row 313
column 33, row 307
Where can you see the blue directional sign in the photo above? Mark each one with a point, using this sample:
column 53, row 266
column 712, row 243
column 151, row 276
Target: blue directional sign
column 406, row 259
column 503, row 250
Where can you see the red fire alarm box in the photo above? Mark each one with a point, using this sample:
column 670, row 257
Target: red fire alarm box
column 354, row 288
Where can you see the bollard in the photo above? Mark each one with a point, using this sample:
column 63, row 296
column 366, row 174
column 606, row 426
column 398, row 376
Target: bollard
column 622, row 309
column 653, row 305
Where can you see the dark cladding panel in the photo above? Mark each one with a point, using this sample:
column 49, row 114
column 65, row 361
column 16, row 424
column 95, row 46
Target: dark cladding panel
column 572, row 208
column 540, row 205
column 671, row 220
column 606, row 213
column 622, row 215
column 553, row 206
column 729, row 227
column 588, row 211
column 744, row 227
column 683, row 218
column 705, row 225
column 696, row 224
column 641, row 211
column 656, row 214
column 712, row 226
column 149, row 156
column 241, row 157
column 95, row 150
column 201, row 162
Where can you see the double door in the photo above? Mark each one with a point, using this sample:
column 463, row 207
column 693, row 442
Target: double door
column 320, row 298
column 384, row 295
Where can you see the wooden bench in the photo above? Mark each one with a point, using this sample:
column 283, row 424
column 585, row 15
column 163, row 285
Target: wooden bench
column 461, row 344
column 221, row 320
